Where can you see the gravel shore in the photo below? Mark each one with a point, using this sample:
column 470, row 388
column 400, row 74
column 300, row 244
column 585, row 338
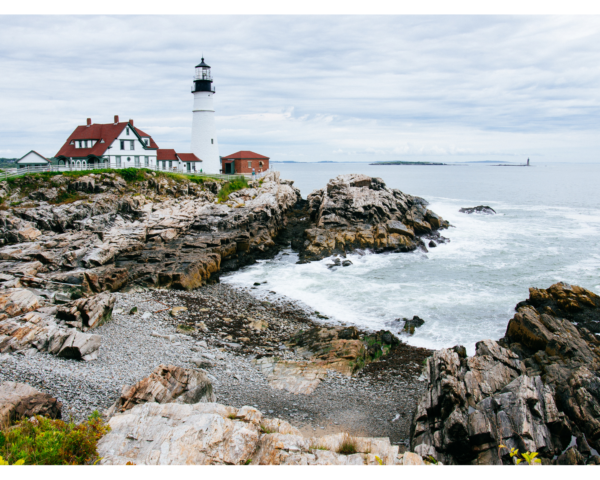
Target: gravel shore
column 377, row 402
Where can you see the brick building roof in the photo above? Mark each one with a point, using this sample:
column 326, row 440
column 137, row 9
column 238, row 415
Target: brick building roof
column 245, row 155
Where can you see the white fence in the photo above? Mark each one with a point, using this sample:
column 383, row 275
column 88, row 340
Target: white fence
column 17, row 172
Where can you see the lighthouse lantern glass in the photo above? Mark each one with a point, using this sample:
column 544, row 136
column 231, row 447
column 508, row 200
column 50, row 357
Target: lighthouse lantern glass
column 203, row 73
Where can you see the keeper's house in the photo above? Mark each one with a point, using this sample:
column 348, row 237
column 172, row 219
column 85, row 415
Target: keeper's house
column 244, row 162
column 32, row 159
column 120, row 145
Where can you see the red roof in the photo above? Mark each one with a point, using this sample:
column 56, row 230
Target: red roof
column 188, row 157
column 166, row 154
column 245, row 155
column 98, row 131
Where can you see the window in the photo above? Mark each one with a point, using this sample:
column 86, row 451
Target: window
column 127, row 131
column 137, row 162
column 131, row 145
column 146, row 141
column 212, row 141
column 118, row 162
column 122, row 144
column 170, row 164
column 146, row 161
column 249, row 164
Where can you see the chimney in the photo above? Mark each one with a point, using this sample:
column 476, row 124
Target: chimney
column 116, row 119
column 89, row 122
column 131, row 122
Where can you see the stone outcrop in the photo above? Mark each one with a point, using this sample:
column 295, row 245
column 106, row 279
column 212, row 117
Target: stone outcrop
column 343, row 349
column 214, row 434
column 154, row 233
column 28, row 323
column 166, row 384
column 356, row 211
column 536, row 389
column 481, row 209
column 18, row 400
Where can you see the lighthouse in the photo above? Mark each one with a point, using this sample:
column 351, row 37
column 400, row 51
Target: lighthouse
column 204, row 133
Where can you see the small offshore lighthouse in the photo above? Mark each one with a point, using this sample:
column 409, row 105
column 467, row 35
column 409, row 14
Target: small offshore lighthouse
column 204, row 132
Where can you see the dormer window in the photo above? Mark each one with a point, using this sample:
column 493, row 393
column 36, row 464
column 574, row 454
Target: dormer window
column 126, row 143
column 146, row 141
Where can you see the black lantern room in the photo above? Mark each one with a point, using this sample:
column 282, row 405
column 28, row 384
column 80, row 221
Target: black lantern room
column 203, row 78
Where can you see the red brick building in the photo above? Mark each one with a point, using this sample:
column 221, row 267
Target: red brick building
column 244, row 162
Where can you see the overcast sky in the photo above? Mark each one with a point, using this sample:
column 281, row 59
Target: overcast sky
column 308, row 88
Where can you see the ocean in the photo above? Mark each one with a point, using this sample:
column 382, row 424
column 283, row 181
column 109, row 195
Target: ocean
column 546, row 230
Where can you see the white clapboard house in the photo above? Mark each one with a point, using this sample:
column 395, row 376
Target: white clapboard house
column 120, row 145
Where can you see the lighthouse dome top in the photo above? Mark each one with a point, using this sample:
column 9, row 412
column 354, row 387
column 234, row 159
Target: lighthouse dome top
column 202, row 64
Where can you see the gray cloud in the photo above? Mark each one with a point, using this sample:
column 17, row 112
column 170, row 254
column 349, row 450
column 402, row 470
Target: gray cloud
column 344, row 88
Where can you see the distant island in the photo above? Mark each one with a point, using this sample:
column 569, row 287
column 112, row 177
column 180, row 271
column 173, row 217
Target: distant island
column 399, row 162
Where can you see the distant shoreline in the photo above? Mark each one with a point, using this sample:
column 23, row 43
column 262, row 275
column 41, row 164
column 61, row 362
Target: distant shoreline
column 407, row 163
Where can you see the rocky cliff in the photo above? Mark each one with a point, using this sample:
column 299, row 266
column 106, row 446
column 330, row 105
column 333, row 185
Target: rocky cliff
column 107, row 235
column 536, row 389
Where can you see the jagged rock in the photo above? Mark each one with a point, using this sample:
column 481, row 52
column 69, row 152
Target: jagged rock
column 45, row 194
column 166, row 384
column 411, row 324
column 19, row 400
column 18, row 301
column 84, row 184
column 210, row 433
column 535, row 389
column 40, row 328
column 481, row 209
column 358, row 211
column 87, row 313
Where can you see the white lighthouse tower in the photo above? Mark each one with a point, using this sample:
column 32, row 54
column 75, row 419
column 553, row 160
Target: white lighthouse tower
column 204, row 133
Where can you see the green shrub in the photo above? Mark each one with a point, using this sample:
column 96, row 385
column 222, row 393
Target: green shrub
column 232, row 186
column 131, row 175
column 43, row 441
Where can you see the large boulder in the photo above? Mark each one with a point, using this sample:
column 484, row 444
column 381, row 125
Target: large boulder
column 214, row 434
column 87, row 313
column 166, row 384
column 45, row 333
column 536, row 389
column 357, row 211
column 26, row 324
column 19, row 400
